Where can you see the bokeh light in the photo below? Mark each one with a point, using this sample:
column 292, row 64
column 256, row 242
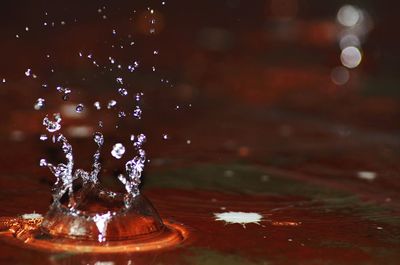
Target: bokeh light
column 340, row 75
column 349, row 15
column 351, row 57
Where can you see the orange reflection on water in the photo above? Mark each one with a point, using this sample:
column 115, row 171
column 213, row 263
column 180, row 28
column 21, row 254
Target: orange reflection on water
column 26, row 233
column 285, row 223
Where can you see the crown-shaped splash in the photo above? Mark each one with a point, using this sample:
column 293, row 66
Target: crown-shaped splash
column 91, row 206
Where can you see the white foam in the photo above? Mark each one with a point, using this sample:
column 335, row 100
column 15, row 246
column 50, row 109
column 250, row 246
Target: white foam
column 242, row 218
column 28, row 216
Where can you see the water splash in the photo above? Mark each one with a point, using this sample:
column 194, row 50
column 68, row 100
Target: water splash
column 66, row 174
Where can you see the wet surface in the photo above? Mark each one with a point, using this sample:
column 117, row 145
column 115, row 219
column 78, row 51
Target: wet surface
column 268, row 132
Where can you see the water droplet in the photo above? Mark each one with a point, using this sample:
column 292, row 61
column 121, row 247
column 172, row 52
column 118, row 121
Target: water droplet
column 98, row 138
column 97, row 105
column 65, row 97
column 142, row 153
column 119, row 80
column 64, row 92
column 137, row 113
column 52, row 126
column 138, row 96
column 39, row 104
column 121, row 114
column 122, row 91
column 79, row 108
column 118, row 151
column 43, row 137
column 28, row 72
column 188, row 141
column 140, row 140
column 43, row 162
column 112, row 103
column 165, row 136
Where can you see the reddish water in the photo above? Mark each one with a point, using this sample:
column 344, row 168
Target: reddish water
column 269, row 133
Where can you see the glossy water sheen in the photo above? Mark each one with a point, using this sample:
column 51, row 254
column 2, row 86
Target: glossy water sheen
column 255, row 124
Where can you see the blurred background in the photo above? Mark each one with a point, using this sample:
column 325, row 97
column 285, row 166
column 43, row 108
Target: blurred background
column 303, row 90
column 227, row 74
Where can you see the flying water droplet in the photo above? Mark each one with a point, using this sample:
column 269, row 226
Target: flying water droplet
column 112, row 103
column 28, row 72
column 122, row 91
column 43, row 163
column 39, row 104
column 140, row 140
column 97, row 105
column 118, row 151
column 52, row 126
column 98, row 138
column 121, row 114
column 137, row 113
column 138, row 96
column 165, row 136
column 64, row 92
column 43, row 137
column 79, row 108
